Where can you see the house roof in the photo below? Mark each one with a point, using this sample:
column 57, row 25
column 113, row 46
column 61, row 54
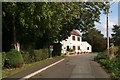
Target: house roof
column 74, row 32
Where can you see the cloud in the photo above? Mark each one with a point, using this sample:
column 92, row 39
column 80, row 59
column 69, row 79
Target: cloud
column 102, row 27
column 113, row 20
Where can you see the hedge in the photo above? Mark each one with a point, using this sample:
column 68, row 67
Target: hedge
column 26, row 56
column 3, row 58
column 40, row 54
column 14, row 59
column 35, row 55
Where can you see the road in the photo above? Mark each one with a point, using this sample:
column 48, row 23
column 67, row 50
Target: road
column 81, row 66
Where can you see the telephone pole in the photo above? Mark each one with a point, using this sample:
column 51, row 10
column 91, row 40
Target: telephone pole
column 107, row 31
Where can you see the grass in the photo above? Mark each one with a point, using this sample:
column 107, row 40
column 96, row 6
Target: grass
column 63, row 56
column 8, row 72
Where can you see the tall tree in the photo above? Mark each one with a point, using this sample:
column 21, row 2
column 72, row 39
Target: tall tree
column 116, row 35
column 36, row 25
column 96, row 39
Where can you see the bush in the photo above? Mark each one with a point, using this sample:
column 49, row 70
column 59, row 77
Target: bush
column 101, row 55
column 41, row 54
column 37, row 55
column 14, row 59
column 26, row 57
column 112, row 66
column 118, row 53
column 3, row 58
column 71, row 50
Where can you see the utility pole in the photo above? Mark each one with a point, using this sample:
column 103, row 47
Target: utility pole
column 107, row 31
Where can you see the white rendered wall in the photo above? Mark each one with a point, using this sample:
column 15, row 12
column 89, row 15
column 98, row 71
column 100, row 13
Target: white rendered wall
column 69, row 42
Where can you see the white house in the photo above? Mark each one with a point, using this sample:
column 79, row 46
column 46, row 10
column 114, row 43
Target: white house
column 75, row 42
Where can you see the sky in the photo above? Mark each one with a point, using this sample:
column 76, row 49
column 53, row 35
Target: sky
column 112, row 19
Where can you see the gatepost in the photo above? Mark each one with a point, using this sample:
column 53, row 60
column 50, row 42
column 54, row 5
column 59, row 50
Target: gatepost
column 51, row 49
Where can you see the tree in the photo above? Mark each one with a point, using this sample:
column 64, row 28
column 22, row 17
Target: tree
column 37, row 25
column 116, row 35
column 96, row 39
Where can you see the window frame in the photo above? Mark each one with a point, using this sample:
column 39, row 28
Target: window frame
column 78, row 38
column 73, row 38
column 74, row 47
column 78, row 47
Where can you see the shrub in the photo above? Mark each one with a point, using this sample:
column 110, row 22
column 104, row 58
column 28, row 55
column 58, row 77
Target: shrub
column 14, row 58
column 112, row 65
column 3, row 58
column 118, row 53
column 101, row 55
column 26, row 57
column 37, row 55
column 42, row 54
column 71, row 50
column 45, row 53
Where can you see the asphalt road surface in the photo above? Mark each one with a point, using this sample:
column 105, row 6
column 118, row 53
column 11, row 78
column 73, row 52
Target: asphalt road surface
column 80, row 66
column 74, row 67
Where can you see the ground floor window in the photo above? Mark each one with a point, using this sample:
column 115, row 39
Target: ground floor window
column 74, row 47
column 87, row 48
column 78, row 47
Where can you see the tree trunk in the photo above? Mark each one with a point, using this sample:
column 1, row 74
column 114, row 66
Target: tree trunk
column 14, row 33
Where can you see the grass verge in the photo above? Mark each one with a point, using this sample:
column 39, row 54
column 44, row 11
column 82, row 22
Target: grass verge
column 8, row 72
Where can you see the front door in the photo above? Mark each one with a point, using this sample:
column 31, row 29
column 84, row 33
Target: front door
column 67, row 48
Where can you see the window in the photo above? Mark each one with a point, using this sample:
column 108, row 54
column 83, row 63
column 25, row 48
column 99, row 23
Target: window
column 74, row 47
column 78, row 47
column 87, row 48
column 78, row 38
column 73, row 38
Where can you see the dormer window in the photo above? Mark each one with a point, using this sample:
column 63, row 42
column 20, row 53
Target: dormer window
column 73, row 38
column 78, row 38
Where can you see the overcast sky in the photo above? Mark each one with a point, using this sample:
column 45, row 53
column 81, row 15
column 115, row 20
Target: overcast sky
column 113, row 19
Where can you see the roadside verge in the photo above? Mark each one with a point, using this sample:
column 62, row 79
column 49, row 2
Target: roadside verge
column 32, row 69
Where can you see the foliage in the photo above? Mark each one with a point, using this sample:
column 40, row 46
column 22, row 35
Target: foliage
column 8, row 72
column 46, row 22
column 118, row 53
column 96, row 39
column 113, row 51
column 3, row 58
column 101, row 55
column 112, row 66
column 71, row 50
column 37, row 55
column 26, row 57
column 14, row 59
column 40, row 54
column 56, row 49
column 116, row 35
column 63, row 56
